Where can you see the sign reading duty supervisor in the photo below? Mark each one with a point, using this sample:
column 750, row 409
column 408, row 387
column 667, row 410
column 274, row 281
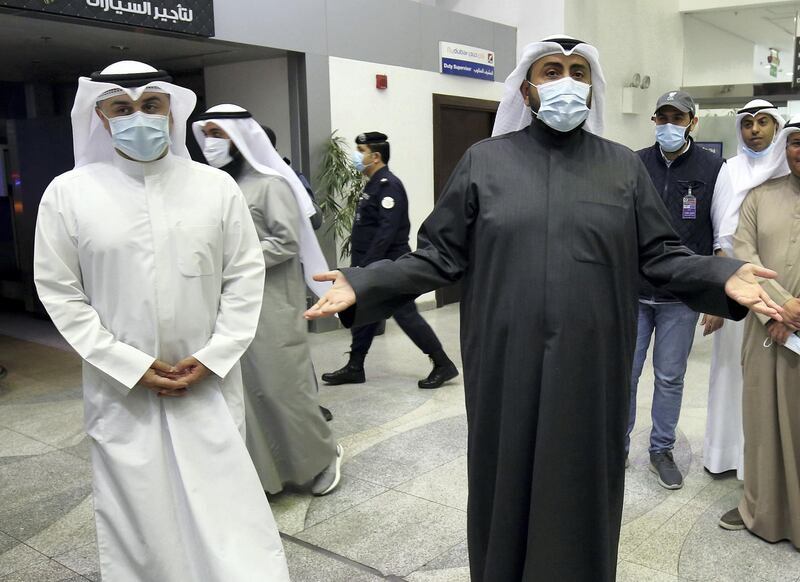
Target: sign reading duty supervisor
column 467, row 61
column 187, row 16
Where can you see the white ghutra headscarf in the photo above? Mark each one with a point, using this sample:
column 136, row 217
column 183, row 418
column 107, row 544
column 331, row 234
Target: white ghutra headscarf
column 513, row 114
column 747, row 172
column 751, row 109
column 254, row 145
column 91, row 142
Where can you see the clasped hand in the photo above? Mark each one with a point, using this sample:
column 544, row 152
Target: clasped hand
column 791, row 313
column 173, row 381
column 779, row 332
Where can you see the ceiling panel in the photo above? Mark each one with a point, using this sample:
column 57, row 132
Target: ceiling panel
column 766, row 26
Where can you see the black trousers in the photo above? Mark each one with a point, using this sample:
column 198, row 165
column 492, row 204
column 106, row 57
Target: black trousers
column 410, row 321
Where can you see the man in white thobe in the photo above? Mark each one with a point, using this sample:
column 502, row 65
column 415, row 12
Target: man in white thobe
column 758, row 125
column 150, row 267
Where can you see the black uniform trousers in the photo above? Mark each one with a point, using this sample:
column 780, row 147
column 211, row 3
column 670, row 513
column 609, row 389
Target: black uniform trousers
column 410, row 321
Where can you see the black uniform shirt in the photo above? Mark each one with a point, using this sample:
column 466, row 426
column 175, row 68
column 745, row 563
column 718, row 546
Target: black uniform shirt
column 381, row 226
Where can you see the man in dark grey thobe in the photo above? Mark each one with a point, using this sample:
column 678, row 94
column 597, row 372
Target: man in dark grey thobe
column 548, row 227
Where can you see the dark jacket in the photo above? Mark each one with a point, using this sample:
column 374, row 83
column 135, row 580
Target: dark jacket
column 692, row 175
column 381, row 226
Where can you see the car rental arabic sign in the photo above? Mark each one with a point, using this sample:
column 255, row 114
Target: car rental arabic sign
column 466, row 61
column 187, row 16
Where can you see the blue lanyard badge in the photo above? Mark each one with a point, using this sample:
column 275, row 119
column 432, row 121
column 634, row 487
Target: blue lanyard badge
column 689, row 206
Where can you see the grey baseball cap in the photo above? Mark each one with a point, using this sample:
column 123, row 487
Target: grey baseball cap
column 680, row 100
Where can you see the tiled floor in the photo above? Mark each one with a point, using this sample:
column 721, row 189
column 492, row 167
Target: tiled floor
column 400, row 511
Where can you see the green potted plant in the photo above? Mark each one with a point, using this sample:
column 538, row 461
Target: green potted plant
column 342, row 185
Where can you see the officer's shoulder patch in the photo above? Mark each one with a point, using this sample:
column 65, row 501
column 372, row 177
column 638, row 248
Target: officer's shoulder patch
column 387, row 202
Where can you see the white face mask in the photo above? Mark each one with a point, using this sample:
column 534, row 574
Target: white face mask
column 217, row 151
column 563, row 103
column 141, row 136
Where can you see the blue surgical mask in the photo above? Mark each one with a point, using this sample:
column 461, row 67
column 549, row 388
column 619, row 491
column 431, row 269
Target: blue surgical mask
column 140, row 136
column 563, row 103
column 671, row 137
column 358, row 161
column 754, row 154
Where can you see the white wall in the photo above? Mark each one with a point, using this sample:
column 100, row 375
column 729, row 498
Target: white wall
column 261, row 87
column 632, row 37
column 715, row 56
column 404, row 112
column 534, row 19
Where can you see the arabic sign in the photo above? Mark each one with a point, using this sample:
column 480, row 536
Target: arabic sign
column 796, row 73
column 466, row 61
column 187, row 16
column 796, row 56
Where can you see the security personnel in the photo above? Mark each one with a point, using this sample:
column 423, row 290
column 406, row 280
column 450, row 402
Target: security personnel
column 381, row 232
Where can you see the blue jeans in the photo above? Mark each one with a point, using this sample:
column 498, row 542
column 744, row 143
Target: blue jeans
column 674, row 324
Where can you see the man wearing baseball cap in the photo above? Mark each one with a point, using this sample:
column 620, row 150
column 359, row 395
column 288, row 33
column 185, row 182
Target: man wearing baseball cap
column 695, row 188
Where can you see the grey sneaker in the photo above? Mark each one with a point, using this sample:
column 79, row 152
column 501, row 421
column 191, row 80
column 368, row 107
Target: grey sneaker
column 328, row 480
column 732, row 520
column 662, row 464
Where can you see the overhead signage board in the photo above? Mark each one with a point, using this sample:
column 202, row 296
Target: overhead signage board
column 466, row 61
column 186, row 16
column 796, row 59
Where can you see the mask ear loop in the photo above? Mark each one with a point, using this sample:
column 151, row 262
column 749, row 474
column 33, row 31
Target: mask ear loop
column 687, row 132
column 529, row 97
column 768, row 342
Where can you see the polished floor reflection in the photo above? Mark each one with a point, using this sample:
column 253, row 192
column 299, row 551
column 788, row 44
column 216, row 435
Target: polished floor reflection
column 400, row 512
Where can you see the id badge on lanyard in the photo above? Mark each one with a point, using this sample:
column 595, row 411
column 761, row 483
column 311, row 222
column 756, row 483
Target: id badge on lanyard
column 689, row 206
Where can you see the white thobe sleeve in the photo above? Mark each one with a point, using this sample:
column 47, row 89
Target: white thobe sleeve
column 242, row 287
column 720, row 200
column 57, row 274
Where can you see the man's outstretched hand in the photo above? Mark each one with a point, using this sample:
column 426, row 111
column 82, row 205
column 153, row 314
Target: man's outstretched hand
column 744, row 288
column 338, row 298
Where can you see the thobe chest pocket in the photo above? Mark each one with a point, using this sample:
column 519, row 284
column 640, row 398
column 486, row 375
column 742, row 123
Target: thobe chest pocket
column 598, row 232
column 196, row 249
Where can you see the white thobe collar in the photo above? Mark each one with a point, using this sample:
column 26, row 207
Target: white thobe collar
column 136, row 169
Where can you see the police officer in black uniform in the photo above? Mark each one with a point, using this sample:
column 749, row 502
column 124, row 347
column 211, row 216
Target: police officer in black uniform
column 381, row 232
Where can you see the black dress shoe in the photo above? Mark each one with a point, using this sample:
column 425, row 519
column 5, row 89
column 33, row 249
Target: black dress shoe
column 348, row 375
column 326, row 414
column 438, row 376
